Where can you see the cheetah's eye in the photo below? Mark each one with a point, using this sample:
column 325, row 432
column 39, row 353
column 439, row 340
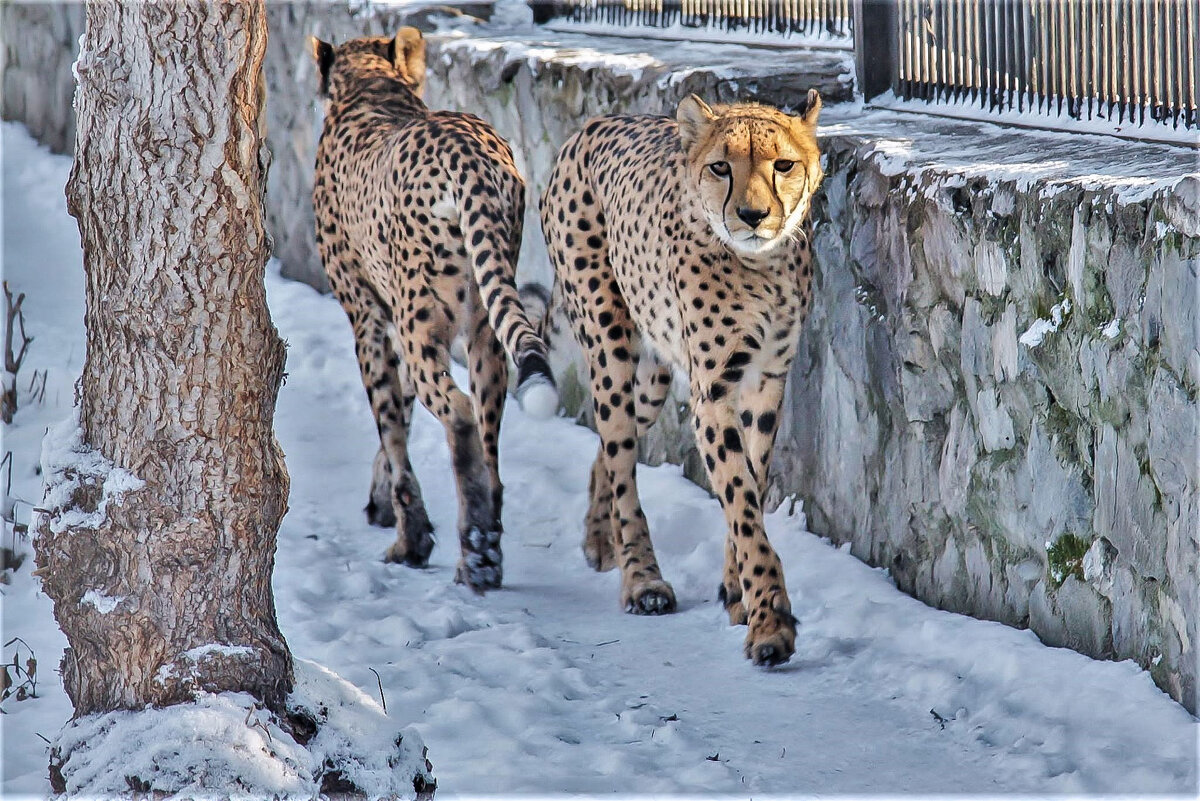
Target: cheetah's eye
column 784, row 166
column 720, row 168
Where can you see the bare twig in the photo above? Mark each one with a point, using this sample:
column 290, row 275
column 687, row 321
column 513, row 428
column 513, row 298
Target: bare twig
column 27, row 688
column 6, row 464
column 379, row 681
column 12, row 362
column 37, row 386
column 257, row 724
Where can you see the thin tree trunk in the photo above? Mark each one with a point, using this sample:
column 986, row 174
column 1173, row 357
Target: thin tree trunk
column 183, row 367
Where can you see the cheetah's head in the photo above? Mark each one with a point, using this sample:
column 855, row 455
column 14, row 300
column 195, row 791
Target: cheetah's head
column 400, row 58
column 752, row 169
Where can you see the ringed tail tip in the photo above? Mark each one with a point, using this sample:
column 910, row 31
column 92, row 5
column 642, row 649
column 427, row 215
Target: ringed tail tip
column 536, row 391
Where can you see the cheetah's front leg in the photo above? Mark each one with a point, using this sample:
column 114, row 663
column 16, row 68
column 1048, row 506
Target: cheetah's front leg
column 759, row 416
column 771, row 639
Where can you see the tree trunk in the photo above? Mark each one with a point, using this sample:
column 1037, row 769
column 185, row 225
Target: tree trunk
column 164, row 589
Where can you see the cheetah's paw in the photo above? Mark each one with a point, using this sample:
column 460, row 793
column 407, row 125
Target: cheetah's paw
column 772, row 636
column 480, row 565
column 413, row 543
column 648, row 597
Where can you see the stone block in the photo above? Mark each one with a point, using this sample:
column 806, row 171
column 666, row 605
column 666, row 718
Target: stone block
column 1126, row 505
column 995, row 424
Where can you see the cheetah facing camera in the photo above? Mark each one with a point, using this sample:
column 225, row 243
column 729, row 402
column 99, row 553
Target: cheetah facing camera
column 684, row 244
column 418, row 225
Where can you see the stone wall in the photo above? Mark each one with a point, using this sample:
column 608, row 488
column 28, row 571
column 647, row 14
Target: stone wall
column 940, row 421
column 996, row 394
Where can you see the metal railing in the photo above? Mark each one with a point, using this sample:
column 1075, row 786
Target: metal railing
column 1121, row 61
column 779, row 20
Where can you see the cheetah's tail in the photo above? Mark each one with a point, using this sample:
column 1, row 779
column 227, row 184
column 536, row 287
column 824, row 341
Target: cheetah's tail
column 536, row 391
column 493, row 252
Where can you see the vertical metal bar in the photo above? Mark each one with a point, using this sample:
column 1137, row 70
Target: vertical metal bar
column 932, row 49
column 985, row 54
column 1157, row 56
column 910, row 52
column 1061, row 57
column 1013, row 24
column 1097, row 58
column 1041, row 25
column 1030, row 49
column 1135, row 61
column 961, row 78
column 977, row 50
column 1000, row 49
column 879, row 49
column 1127, row 55
column 1142, row 63
column 1021, row 25
column 1116, row 55
column 1086, row 54
column 954, row 9
column 918, row 38
column 1187, row 77
column 910, row 44
column 1162, row 59
column 1183, row 79
column 1010, row 54
column 1193, row 50
column 1070, row 55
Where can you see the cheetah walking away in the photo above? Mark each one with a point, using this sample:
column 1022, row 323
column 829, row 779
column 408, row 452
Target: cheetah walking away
column 684, row 245
column 419, row 218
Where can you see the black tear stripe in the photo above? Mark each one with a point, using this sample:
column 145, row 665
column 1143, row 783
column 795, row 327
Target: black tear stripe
column 725, row 204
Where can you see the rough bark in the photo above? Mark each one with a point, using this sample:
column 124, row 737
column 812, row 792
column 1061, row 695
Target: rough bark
column 183, row 366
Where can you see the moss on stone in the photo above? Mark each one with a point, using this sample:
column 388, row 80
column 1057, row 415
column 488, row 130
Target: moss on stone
column 1065, row 557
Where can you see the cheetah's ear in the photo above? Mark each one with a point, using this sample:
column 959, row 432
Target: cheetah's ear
column 693, row 116
column 812, row 109
column 322, row 53
column 407, row 51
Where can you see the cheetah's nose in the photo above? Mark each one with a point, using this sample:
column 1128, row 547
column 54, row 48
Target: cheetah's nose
column 751, row 217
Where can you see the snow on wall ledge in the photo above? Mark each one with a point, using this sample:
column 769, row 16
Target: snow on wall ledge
column 996, row 394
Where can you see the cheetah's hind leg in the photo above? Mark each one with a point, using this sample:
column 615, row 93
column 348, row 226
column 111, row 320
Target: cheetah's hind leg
column 379, row 502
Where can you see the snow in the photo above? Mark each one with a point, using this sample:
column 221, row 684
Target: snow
column 1111, row 329
column 1094, row 123
column 67, row 464
column 661, row 61
column 914, row 138
column 226, row 746
column 104, row 604
column 1041, row 326
column 705, row 33
column 546, row 686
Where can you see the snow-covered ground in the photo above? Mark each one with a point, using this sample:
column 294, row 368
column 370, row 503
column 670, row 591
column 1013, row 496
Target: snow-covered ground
column 546, row 687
